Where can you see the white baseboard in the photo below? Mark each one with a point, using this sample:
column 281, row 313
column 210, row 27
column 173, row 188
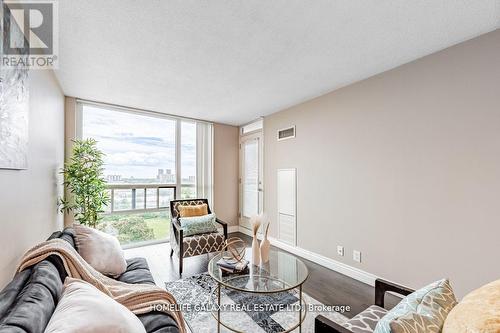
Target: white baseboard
column 319, row 259
column 245, row 231
column 334, row 265
column 233, row 228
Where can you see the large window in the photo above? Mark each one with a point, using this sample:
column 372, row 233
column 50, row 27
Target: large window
column 150, row 159
column 138, row 148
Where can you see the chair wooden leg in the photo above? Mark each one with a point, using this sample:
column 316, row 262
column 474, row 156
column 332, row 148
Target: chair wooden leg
column 171, row 252
column 180, row 265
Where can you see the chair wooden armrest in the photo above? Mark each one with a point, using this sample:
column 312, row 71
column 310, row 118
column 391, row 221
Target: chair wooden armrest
column 383, row 286
column 224, row 226
column 179, row 233
column 176, row 224
column 325, row 325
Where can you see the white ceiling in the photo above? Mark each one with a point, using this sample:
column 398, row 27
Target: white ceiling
column 232, row 61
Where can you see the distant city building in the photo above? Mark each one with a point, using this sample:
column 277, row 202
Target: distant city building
column 165, row 176
column 188, row 180
column 113, row 178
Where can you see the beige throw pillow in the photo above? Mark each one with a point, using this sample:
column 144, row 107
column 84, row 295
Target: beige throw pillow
column 84, row 309
column 100, row 250
column 479, row 312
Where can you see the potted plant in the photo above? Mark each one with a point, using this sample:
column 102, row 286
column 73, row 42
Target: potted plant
column 83, row 180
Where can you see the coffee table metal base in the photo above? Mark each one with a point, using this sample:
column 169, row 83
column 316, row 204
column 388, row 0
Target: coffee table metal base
column 217, row 314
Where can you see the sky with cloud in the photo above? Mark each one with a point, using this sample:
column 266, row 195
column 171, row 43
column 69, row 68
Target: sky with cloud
column 137, row 145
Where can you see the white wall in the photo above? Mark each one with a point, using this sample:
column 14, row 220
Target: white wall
column 404, row 166
column 28, row 209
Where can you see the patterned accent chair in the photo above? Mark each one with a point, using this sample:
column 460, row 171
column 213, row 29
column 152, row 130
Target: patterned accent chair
column 195, row 245
column 365, row 321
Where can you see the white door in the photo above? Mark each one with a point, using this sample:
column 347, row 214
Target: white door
column 251, row 198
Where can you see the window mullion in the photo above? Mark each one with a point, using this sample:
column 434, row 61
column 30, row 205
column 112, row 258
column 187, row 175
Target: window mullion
column 178, row 158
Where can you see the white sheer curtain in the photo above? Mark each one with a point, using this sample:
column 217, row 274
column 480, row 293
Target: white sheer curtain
column 204, row 159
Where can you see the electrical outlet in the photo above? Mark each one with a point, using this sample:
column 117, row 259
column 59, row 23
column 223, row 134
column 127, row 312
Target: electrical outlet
column 356, row 256
column 340, row 250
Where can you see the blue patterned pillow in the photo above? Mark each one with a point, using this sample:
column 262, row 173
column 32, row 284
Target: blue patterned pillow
column 425, row 310
column 198, row 224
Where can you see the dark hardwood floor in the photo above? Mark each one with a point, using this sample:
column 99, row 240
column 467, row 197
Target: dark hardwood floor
column 323, row 284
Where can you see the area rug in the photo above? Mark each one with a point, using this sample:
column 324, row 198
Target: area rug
column 195, row 297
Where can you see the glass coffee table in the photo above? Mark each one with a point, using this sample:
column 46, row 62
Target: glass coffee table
column 283, row 273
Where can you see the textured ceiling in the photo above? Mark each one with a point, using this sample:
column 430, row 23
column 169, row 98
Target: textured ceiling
column 232, row 61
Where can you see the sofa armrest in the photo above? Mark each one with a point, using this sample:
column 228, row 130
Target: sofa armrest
column 325, row 325
column 224, row 226
column 383, row 286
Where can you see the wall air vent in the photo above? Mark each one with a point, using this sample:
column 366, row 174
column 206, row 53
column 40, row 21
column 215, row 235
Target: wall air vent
column 286, row 133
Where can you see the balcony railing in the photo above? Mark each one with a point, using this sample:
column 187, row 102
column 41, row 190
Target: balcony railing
column 138, row 198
